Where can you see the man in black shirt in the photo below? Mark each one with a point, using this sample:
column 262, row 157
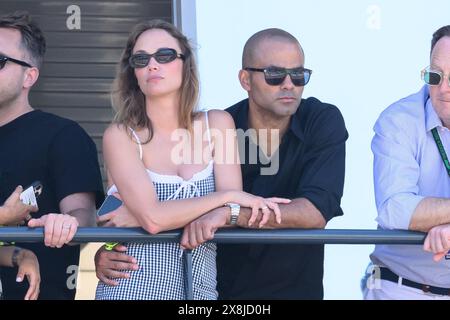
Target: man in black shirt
column 35, row 145
column 306, row 164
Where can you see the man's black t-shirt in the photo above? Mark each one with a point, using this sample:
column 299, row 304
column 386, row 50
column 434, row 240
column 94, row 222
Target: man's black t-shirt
column 311, row 166
column 59, row 153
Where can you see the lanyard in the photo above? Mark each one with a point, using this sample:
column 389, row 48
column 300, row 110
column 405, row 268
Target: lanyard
column 441, row 149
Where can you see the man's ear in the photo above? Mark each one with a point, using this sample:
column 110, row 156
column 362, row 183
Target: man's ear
column 244, row 78
column 31, row 75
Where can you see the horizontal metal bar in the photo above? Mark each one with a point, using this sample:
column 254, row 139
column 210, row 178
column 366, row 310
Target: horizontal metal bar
column 329, row 236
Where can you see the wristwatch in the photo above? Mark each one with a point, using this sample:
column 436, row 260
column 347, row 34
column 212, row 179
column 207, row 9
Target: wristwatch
column 235, row 210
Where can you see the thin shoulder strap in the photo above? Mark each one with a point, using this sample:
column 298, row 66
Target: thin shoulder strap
column 138, row 142
column 207, row 132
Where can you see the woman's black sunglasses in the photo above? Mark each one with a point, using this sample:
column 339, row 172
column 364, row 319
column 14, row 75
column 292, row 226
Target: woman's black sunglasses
column 164, row 55
column 4, row 59
column 275, row 76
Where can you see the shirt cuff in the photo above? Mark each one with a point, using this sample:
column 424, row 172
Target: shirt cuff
column 324, row 202
column 396, row 213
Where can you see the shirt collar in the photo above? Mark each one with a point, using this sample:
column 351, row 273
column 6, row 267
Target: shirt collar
column 241, row 119
column 295, row 125
column 431, row 118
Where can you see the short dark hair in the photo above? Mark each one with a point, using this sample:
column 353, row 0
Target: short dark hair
column 440, row 33
column 33, row 40
column 254, row 41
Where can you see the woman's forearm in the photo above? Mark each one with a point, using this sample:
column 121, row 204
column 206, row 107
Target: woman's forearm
column 173, row 214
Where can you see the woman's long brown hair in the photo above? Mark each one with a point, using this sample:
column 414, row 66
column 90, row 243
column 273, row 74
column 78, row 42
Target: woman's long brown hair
column 128, row 99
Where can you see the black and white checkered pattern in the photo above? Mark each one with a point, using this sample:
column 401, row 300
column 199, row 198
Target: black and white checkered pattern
column 160, row 275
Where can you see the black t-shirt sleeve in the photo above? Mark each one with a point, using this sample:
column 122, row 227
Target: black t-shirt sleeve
column 74, row 164
column 322, row 181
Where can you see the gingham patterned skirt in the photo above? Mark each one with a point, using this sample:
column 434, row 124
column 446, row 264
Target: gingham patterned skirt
column 160, row 275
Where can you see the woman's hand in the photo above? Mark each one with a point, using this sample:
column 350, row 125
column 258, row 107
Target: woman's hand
column 257, row 203
column 120, row 217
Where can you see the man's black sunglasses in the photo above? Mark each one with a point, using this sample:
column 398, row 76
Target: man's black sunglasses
column 4, row 59
column 275, row 76
column 164, row 55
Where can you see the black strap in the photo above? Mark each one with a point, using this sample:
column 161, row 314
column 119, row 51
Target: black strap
column 188, row 281
column 441, row 149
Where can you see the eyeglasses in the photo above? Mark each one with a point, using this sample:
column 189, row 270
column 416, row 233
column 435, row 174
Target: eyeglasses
column 433, row 77
column 164, row 55
column 275, row 76
column 4, row 59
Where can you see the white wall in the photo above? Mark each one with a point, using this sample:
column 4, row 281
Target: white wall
column 364, row 54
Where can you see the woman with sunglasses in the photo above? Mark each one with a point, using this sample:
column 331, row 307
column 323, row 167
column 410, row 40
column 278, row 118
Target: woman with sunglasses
column 156, row 91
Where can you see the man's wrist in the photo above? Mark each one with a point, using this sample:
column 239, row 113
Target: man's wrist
column 4, row 214
column 235, row 210
column 16, row 256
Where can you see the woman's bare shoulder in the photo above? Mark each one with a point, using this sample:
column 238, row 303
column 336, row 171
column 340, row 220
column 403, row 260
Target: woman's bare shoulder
column 220, row 119
column 117, row 133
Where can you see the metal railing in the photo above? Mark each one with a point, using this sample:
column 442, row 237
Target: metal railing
column 328, row 236
column 280, row 236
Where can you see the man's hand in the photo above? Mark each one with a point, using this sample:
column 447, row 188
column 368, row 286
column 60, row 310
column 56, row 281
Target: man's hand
column 203, row 228
column 59, row 229
column 29, row 266
column 14, row 211
column 438, row 241
column 110, row 264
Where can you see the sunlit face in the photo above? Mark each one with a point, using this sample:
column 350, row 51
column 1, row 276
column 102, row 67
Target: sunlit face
column 280, row 100
column 157, row 79
column 12, row 74
column 440, row 94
